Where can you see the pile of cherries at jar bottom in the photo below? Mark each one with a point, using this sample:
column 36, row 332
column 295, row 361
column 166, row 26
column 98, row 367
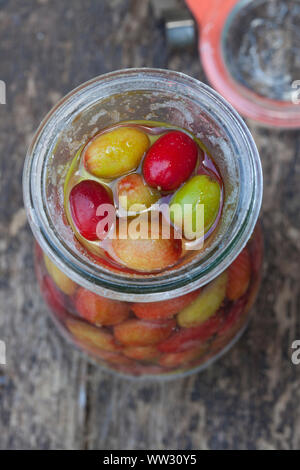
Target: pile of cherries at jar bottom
column 156, row 338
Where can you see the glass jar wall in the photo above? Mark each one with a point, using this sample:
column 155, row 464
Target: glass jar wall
column 171, row 322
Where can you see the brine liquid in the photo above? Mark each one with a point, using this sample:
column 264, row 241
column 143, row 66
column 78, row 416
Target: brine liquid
column 102, row 251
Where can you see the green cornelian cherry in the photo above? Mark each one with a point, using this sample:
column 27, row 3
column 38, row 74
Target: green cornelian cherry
column 199, row 190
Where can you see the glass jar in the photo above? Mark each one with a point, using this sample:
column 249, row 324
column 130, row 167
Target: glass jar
column 170, row 323
column 249, row 51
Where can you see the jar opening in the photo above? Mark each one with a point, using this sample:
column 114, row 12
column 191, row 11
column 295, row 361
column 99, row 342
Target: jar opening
column 142, row 94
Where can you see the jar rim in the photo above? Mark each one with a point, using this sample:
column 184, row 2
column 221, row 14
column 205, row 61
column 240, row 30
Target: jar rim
column 212, row 48
column 171, row 283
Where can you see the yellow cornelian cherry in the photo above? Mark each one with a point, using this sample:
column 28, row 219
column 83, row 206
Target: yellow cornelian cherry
column 115, row 153
column 206, row 304
column 132, row 191
column 88, row 335
column 62, row 281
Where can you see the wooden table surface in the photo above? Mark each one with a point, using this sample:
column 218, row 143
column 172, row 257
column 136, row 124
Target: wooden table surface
column 51, row 398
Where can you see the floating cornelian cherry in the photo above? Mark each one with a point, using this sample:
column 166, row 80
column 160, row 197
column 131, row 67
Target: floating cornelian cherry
column 147, row 254
column 200, row 193
column 170, row 161
column 134, row 195
column 86, row 198
column 115, row 153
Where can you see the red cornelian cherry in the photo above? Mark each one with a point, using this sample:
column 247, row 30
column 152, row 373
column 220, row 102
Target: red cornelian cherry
column 170, row 161
column 85, row 198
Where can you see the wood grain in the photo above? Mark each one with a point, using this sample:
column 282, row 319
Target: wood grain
column 51, row 398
